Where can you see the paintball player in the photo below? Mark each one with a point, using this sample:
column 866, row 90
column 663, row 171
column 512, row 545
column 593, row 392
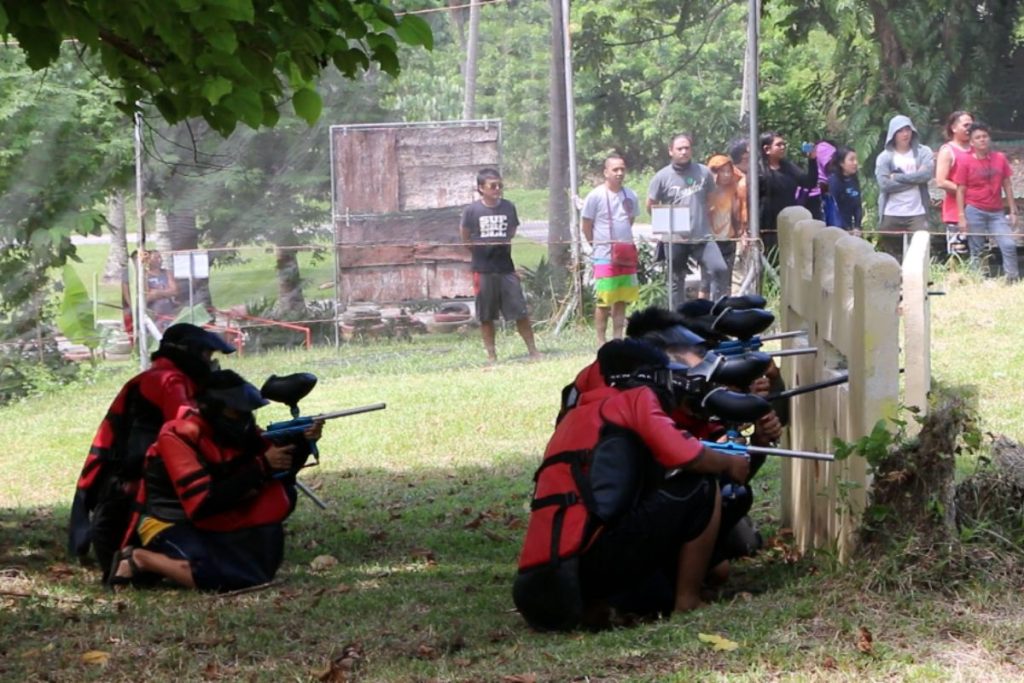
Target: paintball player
column 626, row 508
column 112, row 471
column 214, row 495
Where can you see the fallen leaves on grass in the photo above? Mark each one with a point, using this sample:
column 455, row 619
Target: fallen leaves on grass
column 520, row 678
column 95, row 657
column 60, row 571
column 322, row 563
column 341, row 669
column 865, row 641
column 717, row 642
column 829, row 663
column 427, row 556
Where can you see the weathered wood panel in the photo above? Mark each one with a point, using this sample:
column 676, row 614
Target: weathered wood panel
column 438, row 226
column 399, row 197
column 366, row 171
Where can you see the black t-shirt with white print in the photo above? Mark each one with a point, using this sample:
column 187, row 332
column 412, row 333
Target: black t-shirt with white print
column 491, row 229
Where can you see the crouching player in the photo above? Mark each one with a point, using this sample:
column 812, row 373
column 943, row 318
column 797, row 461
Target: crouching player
column 625, row 505
column 214, row 495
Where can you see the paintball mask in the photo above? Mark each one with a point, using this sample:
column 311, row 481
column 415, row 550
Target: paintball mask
column 699, row 388
column 718, row 321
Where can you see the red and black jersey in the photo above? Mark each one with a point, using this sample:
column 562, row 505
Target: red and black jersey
column 130, row 426
column 562, row 522
column 189, row 477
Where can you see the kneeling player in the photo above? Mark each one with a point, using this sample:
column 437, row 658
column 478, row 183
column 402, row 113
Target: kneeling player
column 214, row 496
column 624, row 502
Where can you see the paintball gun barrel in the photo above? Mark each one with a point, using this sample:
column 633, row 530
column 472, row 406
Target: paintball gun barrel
column 734, row 448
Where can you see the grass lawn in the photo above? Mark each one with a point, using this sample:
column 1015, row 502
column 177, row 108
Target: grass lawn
column 428, row 502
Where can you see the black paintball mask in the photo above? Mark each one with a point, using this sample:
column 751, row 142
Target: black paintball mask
column 728, row 317
column 227, row 402
column 185, row 344
column 699, row 388
column 629, row 363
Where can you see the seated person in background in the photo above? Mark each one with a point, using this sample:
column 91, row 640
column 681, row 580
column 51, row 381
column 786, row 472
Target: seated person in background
column 214, row 495
column 624, row 502
column 161, row 288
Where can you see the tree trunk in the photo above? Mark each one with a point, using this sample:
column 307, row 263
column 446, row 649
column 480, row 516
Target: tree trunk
column 469, row 101
column 117, row 257
column 559, row 238
column 291, row 305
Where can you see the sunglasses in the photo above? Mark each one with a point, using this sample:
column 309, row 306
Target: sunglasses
column 493, row 186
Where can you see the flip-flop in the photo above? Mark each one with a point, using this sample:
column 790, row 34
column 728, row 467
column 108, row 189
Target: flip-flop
column 125, row 554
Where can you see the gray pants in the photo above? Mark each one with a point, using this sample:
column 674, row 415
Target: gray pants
column 984, row 224
column 712, row 265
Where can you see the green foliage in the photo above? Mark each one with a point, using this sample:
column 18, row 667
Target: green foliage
column 64, row 146
column 923, row 59
column 75, row 320
column 225, row 61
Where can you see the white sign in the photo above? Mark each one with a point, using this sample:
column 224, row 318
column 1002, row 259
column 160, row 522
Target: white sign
column 193, row 265
column 674, row 220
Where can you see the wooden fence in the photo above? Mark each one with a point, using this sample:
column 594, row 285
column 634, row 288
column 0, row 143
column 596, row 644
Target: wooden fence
column 848, row 299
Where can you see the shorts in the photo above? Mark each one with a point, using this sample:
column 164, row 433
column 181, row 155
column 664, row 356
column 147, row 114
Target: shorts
column 224, row 560
column 498, row 294
column 639, row 546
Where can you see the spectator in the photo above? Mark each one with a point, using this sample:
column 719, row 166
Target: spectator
column 161, row 288
column 844, row 187
column 685, row 183
column 608, row 214
column 779, row 180
column 902, row 170
column 957, row 145
column 724, row 211
column 983, row 180
column 488, row 226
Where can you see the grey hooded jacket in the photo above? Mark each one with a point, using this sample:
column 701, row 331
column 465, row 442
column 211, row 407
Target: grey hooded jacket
column 889, row 184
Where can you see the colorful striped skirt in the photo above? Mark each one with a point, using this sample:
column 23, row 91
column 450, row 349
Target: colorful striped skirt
column 614, row 284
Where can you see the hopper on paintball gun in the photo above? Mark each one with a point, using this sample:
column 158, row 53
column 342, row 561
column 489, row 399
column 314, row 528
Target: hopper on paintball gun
column 289, row 390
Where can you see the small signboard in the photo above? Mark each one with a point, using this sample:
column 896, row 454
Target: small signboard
column 670, row 220
column 192, row 265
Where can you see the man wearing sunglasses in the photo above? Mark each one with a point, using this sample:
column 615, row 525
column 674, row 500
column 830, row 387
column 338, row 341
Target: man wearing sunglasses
column 488, row 226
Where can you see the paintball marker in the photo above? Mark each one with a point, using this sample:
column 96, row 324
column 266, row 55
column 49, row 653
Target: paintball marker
column 735, row 448
column 289, row 390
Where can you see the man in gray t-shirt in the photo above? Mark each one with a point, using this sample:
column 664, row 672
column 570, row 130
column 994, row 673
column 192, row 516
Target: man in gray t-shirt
column 687, row 183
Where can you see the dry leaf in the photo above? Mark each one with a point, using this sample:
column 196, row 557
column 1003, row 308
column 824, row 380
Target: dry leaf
column 423, row 554
column 717, row 642
column 520, row 678
column 426, row 652
column 322, row 563
column 97, row 657
column 865, row 642
column 60, row 571
column 829, row 663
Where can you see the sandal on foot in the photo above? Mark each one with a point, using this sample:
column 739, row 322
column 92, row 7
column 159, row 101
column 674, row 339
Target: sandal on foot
column 125, row 554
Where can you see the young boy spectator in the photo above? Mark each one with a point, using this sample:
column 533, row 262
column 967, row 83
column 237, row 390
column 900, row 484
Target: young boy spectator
column 903, row 171
column 982, row 181
column 488, row 226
